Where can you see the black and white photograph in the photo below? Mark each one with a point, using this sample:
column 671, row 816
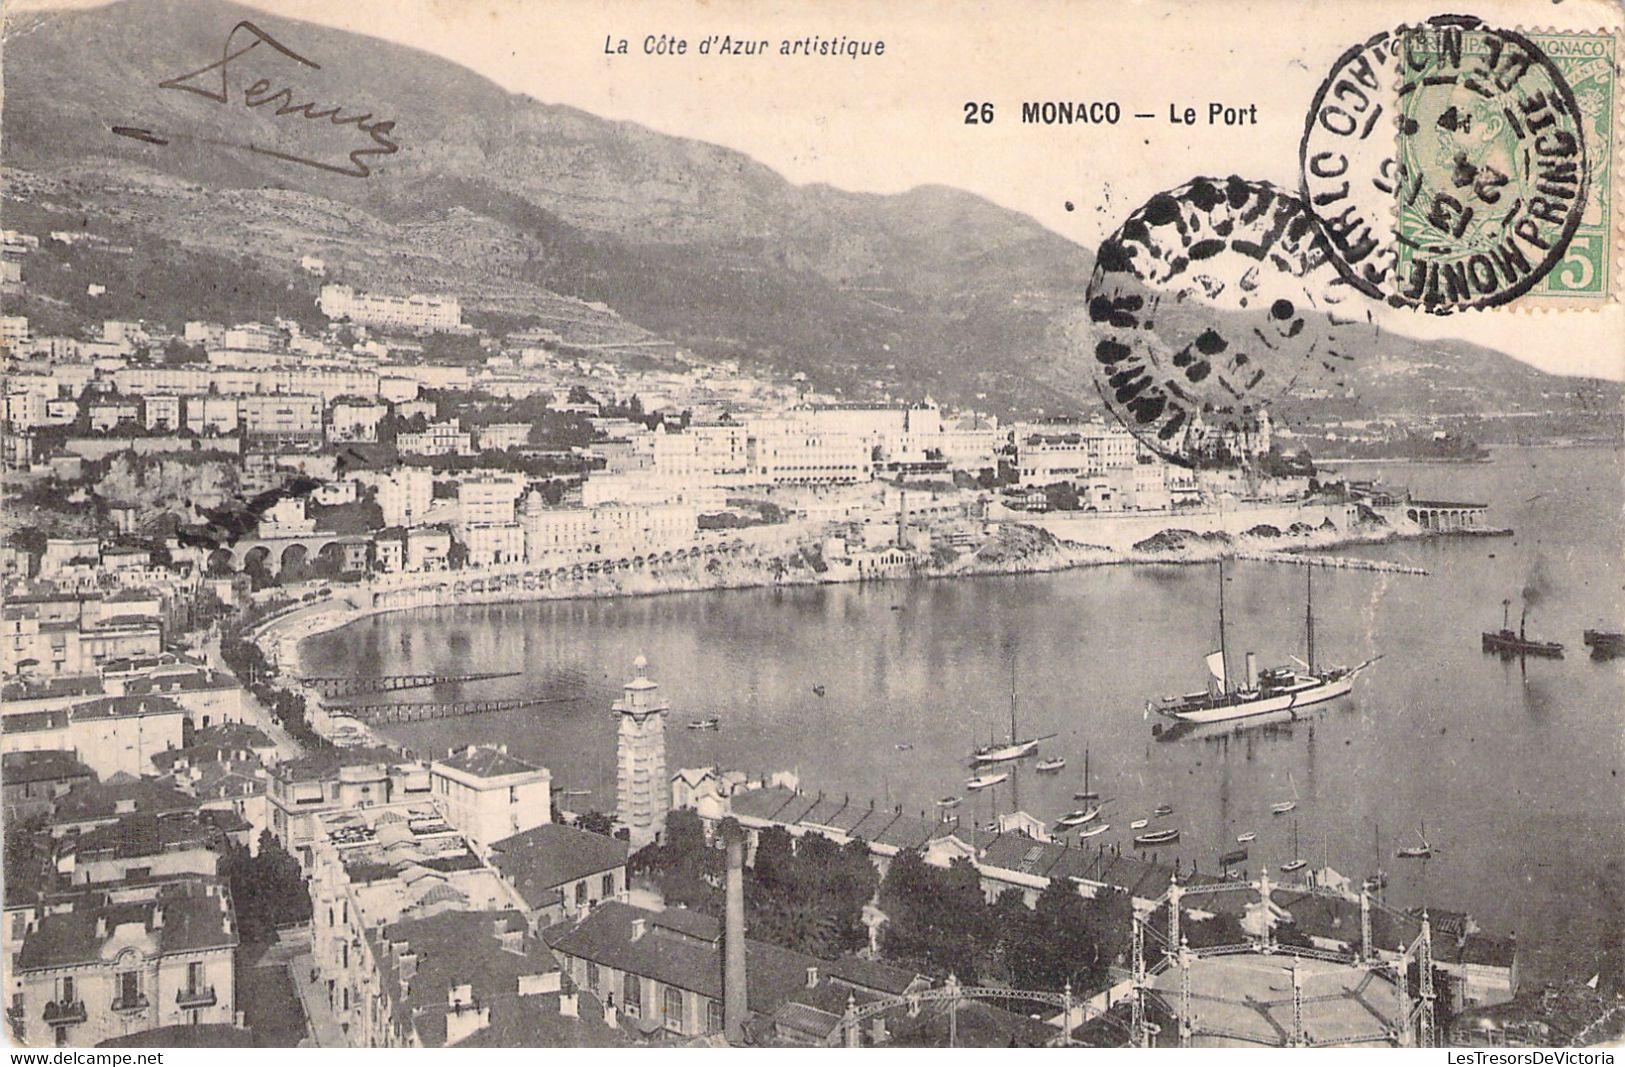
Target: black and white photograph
column 711, row 524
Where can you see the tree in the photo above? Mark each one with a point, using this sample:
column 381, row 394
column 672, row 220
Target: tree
column 268, row 889
column 595, row 822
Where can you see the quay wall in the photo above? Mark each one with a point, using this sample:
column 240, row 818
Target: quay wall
column 1121, row 531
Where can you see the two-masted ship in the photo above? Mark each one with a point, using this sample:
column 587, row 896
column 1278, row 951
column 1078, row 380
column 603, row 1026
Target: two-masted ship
column 1259, row 692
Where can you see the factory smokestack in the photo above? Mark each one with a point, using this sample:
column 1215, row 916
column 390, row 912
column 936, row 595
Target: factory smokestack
column 733, row 940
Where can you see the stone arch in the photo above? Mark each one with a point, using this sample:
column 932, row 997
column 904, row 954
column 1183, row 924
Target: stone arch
column 296, row 556
column 257, row 558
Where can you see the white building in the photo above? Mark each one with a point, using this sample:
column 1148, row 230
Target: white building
column 439, row 439
column 280, row 416
column 212, row 416
column 490, row 795
column 609, row 530
column 493, row 543
column 489, row 498
column 404, row 494
column 355, row 420
column 415, row 312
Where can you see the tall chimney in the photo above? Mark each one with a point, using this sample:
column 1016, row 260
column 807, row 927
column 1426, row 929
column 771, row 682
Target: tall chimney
column 733, row 941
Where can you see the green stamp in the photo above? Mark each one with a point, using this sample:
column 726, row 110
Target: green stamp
column 1587, row 63
column 1505, row 167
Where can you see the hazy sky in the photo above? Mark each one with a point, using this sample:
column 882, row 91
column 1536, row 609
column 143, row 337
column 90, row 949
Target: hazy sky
column 890, row 123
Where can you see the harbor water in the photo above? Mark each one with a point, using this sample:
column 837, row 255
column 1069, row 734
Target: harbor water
column 878, row 692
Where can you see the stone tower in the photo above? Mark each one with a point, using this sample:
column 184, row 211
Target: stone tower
column 640, row 757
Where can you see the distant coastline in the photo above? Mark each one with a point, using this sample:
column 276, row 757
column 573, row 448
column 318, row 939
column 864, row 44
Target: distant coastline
column 281, row 637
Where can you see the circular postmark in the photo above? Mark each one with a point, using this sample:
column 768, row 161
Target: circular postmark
column 1476, row 197
column 1491, row 164
column 1211, row 302
column 1346, row 162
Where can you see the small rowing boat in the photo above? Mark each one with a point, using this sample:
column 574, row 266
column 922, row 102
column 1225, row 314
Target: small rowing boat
column 1250, row 835
column 1155, row 838
column 1094, row 830
column 1050, row 765
column 948, row 802
column 982, row 781
column 1139, row 824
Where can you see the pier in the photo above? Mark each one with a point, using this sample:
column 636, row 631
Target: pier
column 1335, row 563
column 375, row 714
column 335, row 686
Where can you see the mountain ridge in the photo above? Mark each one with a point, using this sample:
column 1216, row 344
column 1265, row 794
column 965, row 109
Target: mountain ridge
column 930, row 290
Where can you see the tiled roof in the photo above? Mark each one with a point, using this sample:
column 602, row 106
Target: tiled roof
column 47, row 765
column 870, row 974
column 232, row 734
column 323, row 762
column 73, row 686
column 181, row 682
column 197, row 916
column 488, row 762
column 103, row 800
column 550, row 855
column 125, row 706
column 452, row 949
column 879, row 826
column 773, row 975
column 148, row 835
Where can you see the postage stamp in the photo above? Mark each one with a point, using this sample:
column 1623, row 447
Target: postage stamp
column 1457, row 166
column 1588, row 62
column 1492, row 163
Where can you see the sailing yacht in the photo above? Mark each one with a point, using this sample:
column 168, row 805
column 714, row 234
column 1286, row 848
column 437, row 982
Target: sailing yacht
column 1297, row 863
column 1420, row 851
column 1015, row 748
column 1286, row 805
column 1086, row 793
column 1274, row 689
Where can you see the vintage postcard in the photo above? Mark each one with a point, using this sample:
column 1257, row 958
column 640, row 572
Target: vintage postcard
column 807, row 523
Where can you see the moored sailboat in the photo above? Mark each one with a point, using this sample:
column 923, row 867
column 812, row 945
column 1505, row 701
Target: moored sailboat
column 1015, row 748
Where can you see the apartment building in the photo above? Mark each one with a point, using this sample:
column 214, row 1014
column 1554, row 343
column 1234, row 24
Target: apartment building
column 109, row 962
column 489, row 498
column 438, row 439
column 490, row 795
column 414, row 312
column 404, row 494
column 609, row 530
column 283, row 418
column 109, row 734
column 490, row 544
column 375, row 866
column 303, row 791
column 355, row 420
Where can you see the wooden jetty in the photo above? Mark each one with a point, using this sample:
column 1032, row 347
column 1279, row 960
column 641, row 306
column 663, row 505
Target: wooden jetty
column 375, row 714
column 334, row 686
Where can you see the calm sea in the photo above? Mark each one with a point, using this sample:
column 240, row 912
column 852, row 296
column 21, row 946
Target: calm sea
column 877, row 693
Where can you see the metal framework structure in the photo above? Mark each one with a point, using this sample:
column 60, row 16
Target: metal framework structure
column 951, row 993
column 1413, row 1024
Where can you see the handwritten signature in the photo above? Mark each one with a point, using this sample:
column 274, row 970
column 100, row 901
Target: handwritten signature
column 263, row 92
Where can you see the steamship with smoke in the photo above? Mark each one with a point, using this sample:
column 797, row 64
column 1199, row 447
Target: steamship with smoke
column 1506, row 642
column 1270, row 691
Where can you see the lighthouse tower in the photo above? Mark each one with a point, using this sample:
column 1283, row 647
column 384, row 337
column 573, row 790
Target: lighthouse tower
column 644, row 793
